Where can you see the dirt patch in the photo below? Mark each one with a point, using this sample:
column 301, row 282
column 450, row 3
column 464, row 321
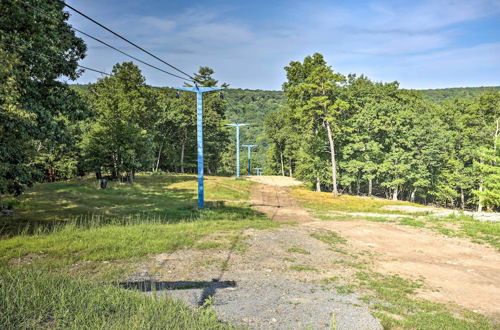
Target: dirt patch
column 441, row 212
column 280, row 181
column 455, row 270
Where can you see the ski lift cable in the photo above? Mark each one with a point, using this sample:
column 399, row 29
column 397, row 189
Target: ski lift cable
column 126, row 40
column 133, row 57
column 105, row 43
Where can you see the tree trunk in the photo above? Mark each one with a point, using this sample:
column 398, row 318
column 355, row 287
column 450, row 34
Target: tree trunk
column 370, row 186
column 183, row 145
column 412, row 196
column 357, row 187
column 332, row 154
column 462, row 199
column 480, row 202
column 290, row 164
column 318, row 184
column 395, row 194
column 158, row 159
column 497, row 131
column 282, row 165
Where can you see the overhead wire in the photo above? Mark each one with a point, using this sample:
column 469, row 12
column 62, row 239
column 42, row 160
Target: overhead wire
column 106, row 44
column 127, row 40
column 132, row 57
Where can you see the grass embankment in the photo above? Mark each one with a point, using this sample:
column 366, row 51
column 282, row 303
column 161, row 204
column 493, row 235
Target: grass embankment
column 346, row 207
column 74, row 229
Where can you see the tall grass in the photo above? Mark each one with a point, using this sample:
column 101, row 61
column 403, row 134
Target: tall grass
column 31, row 299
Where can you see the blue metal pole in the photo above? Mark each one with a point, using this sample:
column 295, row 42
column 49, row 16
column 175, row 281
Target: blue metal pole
column 248, row 167
column 238, row 152
column 249, row 162
column 199, row 137
column 237, row 125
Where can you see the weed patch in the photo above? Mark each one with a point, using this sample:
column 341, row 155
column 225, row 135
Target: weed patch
column 395, row 307
column 297, row 249
column 412, row 222
column 329, row 237
column 303, row 268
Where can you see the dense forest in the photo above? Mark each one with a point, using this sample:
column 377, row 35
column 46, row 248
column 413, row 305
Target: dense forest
column 345, row 134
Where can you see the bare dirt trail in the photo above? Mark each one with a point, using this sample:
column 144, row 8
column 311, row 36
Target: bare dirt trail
column 454, row 269
column 271, row 196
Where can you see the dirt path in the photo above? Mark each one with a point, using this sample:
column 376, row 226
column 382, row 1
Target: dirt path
column 276, row 202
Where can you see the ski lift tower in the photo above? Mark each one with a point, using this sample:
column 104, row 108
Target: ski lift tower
column 237, row 125
column 199, row 136
column 249, row 147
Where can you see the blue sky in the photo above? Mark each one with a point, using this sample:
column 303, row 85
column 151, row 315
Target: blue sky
column 420, row 43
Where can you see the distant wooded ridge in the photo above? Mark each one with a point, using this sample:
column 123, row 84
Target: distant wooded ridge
column 436, row 95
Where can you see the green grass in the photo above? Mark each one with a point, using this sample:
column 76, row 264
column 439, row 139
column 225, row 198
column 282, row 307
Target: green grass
column 32, row 299
column 467, row 226
column 297, row 249
column 412, row 222
column 127, row 222
column 171, row 198
column 71, row 244
column 329, row 237
column 340, row 217
column 303, row 268
column 323, row 202
column 73, row 229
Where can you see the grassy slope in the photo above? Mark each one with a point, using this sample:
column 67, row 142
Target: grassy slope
column 122, row 225
column 171, row 198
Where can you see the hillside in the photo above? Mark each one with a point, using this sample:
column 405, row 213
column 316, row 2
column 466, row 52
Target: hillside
column 444, row 94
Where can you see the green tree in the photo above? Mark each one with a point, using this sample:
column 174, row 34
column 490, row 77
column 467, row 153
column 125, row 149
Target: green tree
column 118, row 139
column 35, row 50
column 313, row 95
